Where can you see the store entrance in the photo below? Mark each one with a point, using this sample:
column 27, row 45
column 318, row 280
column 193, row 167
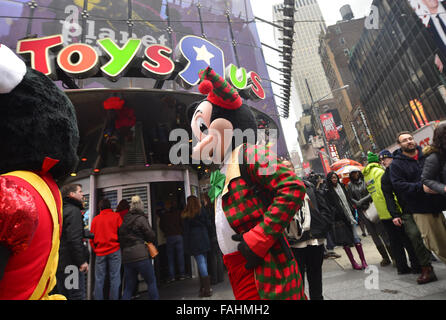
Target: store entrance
column 163, row 195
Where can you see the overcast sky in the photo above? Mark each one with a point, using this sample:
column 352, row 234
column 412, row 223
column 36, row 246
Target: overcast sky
column 331, row 14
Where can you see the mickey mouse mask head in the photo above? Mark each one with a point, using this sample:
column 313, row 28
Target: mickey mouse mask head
column 37, row 119
column 215, row 118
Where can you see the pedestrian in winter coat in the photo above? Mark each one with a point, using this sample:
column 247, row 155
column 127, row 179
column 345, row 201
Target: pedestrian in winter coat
column 215, row 256
column 106, row 247
column 171, row 226
column 372, row 177
column 134, row 232
column 360, row 197
column 196, row 240
column 344, row 224
column 72, row 250
column 433, row 226
column 309, row 249
column 405, row 174
column 401, row 236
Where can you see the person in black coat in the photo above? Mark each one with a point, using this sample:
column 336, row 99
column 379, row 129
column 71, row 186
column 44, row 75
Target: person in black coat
column 344, row 224
column 309, row 249
column 215, row 256
column 398, row 233
column 72, row 250
column 133, row 234
column 196, row 240
column 405, row 173
column 433, row 225
column 360, row 197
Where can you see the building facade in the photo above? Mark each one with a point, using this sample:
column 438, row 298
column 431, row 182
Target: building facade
column 309, row 23
column 393, row 67
column 335, row 49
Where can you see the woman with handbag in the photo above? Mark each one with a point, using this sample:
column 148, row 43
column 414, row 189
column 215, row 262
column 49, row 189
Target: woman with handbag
column 196, row 240
column 364, row 204
column 344, row 224
column 134, row 234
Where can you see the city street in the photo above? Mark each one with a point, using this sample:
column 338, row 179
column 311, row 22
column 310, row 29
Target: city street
column 340, row 282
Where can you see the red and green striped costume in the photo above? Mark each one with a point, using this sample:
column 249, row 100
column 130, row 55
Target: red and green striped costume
column 277, row 277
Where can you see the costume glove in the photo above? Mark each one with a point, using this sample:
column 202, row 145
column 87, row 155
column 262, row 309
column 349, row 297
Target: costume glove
column 252, row 259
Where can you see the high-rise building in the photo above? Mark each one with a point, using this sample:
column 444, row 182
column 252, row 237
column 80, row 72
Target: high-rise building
column 308, row 25
column 393, row 67
column 335, row 49
column 308, row 81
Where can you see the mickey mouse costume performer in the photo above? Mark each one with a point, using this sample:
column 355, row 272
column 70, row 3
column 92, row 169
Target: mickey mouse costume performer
column 255, row 197
column 38, row 139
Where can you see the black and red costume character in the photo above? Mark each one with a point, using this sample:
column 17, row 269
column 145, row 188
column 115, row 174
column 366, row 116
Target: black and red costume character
column 39, row 140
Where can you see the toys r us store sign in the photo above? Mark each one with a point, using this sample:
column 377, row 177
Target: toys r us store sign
column 80, row 60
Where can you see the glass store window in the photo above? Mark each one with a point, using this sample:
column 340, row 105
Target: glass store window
column 111, row 195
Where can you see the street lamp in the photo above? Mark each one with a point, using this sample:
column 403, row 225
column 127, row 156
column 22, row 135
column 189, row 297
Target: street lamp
column 316, row 112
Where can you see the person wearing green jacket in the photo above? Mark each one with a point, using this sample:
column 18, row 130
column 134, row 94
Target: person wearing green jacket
column 372, row 177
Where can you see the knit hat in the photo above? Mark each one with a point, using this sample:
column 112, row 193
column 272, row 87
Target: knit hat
column 385, row 154
column 219, row 91
column 372, row 157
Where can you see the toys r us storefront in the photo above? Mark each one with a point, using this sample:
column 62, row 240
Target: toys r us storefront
column 126, row 66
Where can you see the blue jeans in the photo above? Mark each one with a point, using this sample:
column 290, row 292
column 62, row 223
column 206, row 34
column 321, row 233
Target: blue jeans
column 131, row 271
column 202, row 265
column 356, row 237
column 174, row 247
column 113, row 260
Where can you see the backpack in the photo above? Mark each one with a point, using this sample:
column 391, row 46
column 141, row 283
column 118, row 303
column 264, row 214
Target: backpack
column 301, row 222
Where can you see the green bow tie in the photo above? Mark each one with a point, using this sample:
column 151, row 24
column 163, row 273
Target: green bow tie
column 217, row 183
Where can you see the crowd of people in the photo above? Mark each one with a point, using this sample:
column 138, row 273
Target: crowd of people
column 118, row 240
column 399, row 197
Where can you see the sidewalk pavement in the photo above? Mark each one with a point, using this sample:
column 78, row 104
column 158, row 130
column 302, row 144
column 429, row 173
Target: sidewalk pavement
column 340, row 282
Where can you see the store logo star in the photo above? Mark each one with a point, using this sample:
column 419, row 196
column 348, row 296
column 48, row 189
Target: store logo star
column 203, row 54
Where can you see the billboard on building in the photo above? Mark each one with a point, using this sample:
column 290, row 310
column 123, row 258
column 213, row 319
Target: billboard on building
column 433, row 15
column 330, row 129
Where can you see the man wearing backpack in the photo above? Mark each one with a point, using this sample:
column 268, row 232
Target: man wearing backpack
column 306, row 235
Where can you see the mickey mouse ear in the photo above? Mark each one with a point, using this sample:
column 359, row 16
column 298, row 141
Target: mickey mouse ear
column 12, row 69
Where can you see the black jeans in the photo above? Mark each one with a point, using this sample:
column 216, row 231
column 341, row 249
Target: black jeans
column 309, row 261
column 215, row 264
column 68, row 287
column 398, row 242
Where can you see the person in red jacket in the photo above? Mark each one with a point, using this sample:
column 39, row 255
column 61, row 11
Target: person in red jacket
column 106, row 247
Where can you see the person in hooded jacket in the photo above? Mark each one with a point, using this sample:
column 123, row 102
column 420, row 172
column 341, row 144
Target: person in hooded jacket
column 372, row 181
column 133, row 234
column 343, row 223
column 433, row 226
column 402, row 236
column 405, row 175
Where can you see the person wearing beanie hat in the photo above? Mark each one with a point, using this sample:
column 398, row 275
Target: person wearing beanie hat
column 373, row 173
column 40, row 137
column 385, row 154
column 250, row 228
column 402, row 239
column 372, row 157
